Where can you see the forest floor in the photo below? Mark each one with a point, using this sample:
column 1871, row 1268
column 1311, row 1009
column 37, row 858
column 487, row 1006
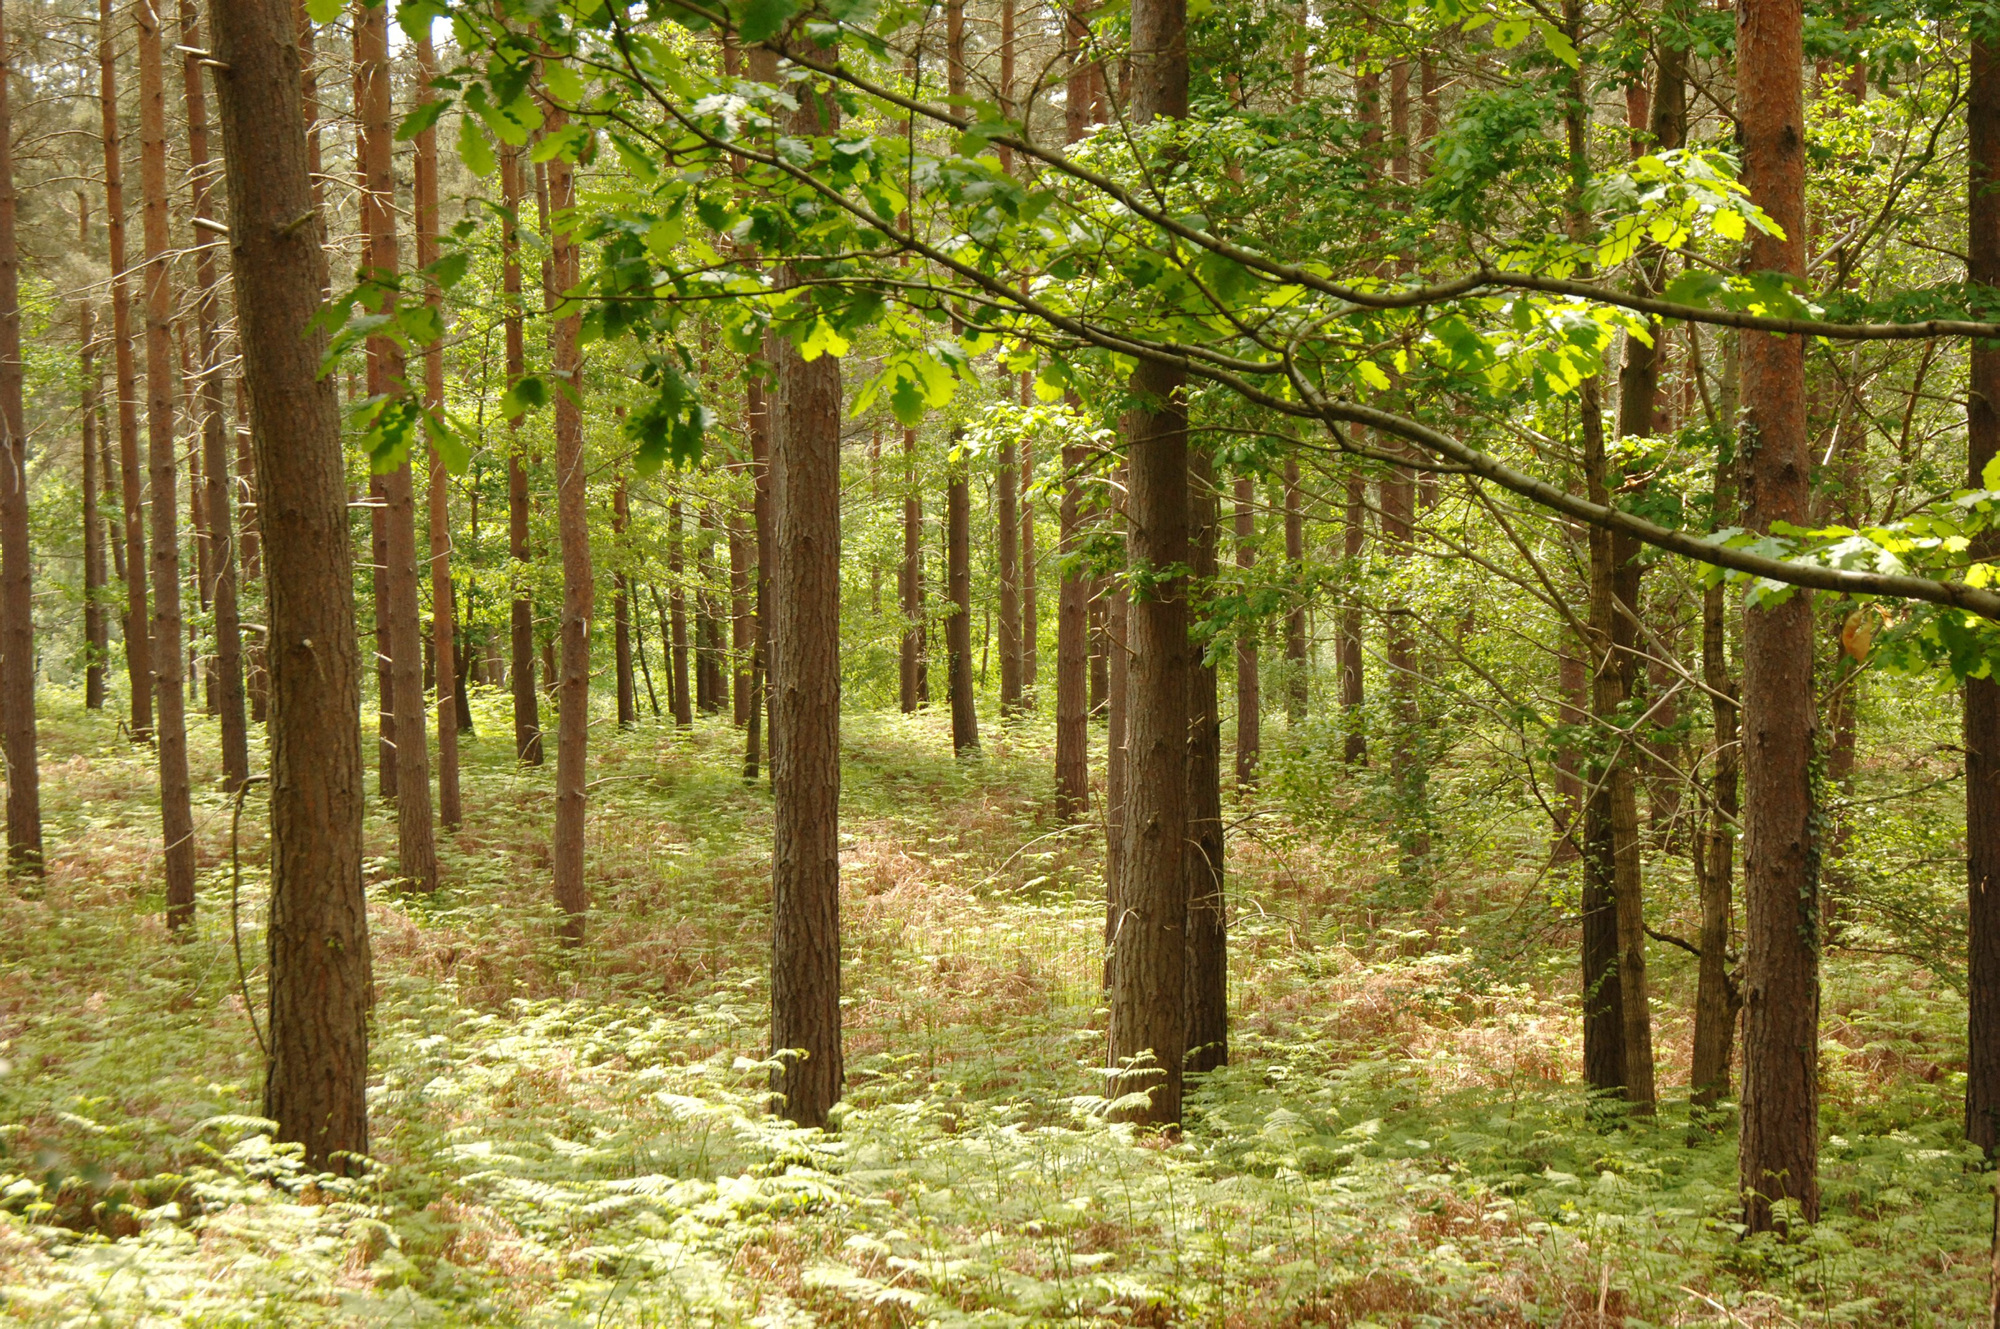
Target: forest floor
column 575, row 1136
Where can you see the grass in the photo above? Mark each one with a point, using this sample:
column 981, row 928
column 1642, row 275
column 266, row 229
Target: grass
column 578, row 1137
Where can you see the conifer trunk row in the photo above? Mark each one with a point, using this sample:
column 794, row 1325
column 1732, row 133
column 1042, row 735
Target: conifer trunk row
column 17, row 572
column 316, row 1080
column 170, row 739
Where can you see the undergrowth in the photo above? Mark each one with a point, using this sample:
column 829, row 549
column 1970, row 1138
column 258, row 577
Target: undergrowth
column 580, row 1137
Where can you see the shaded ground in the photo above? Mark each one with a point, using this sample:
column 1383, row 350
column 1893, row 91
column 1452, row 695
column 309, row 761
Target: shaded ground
column 576, row 1137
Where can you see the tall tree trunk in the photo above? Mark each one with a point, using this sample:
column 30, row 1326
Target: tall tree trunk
column 1717, row 999
column 1573, row 713
column 249, row 549
column 1297, row 684
column 378, row 591
column 96, row 640
column 176, row 815
column 1249, row 686
column 17, row 572
column 521, row 610
column 317, row 1073
column 1612, row 1058
column 444, row 626
column 805, row 707
column 1117, row 753
column 1353, row 683
column 1207, row 983
column 137, row 629
column 573, row 532
column 621, row 615
column 1101, row 599
column 958, row 627
column 677, row 632
column 913, row 689
column 958, row 495
column 1779, row 1145
column 1007, row 516
column 215, row 429
column 739, row 612
column 416, row 847
column 1148, row 955
column 1982, row 696
column 760, row 511
column 1031, row 606
column 1072, row 647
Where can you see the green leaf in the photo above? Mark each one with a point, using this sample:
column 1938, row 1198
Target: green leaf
column 417, row 121
column 527, row 393
column 325, row 11
column 1559, row 44
column 822, row 340
column 562, row 82
column 759, row 19
column 473, row 149
column 1371, row 374
column 448, row 271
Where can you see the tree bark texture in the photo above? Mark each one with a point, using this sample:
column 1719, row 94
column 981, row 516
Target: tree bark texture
column 1249, row 685
column 573, row 534
column 805, row 713
column 17, row 570
column 137, row 628
column 1207, row 985
column 677, row 628
column 444, row 626
column 621, row 616
column 416, row 847
column 1296, row 682
column 521, row 611
column 1982, row 696
column 1007, row 517
column 170, row 738
column 1072, row 652
column 219, row 570
column 316, row 1081
column 913, row 686
column 1779, row 1146
column 96, row 638
column 958, row 627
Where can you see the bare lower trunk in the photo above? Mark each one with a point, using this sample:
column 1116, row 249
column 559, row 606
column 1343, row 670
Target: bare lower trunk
column 444, row 626
column 1206, row 993
column 1982, row 696
column 1296, row 681
column 958, row 628
column 219, row 569
column 1779, row 1144
column 677, row 629
column 1353, row 695
column 96, row 638
column 1148, row 949
column 17, row 574
column 621, row 620
column 1072, row 648
column 416, row 849
column 1007, row 518
column 1249, row 691
column 176, row 814
column 805, row 713
column 521, row 612
column 912, row 689
column 316, row 1081
column 573, row 532
column 760, row 512
column 1031, row 608
column 137, row 628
